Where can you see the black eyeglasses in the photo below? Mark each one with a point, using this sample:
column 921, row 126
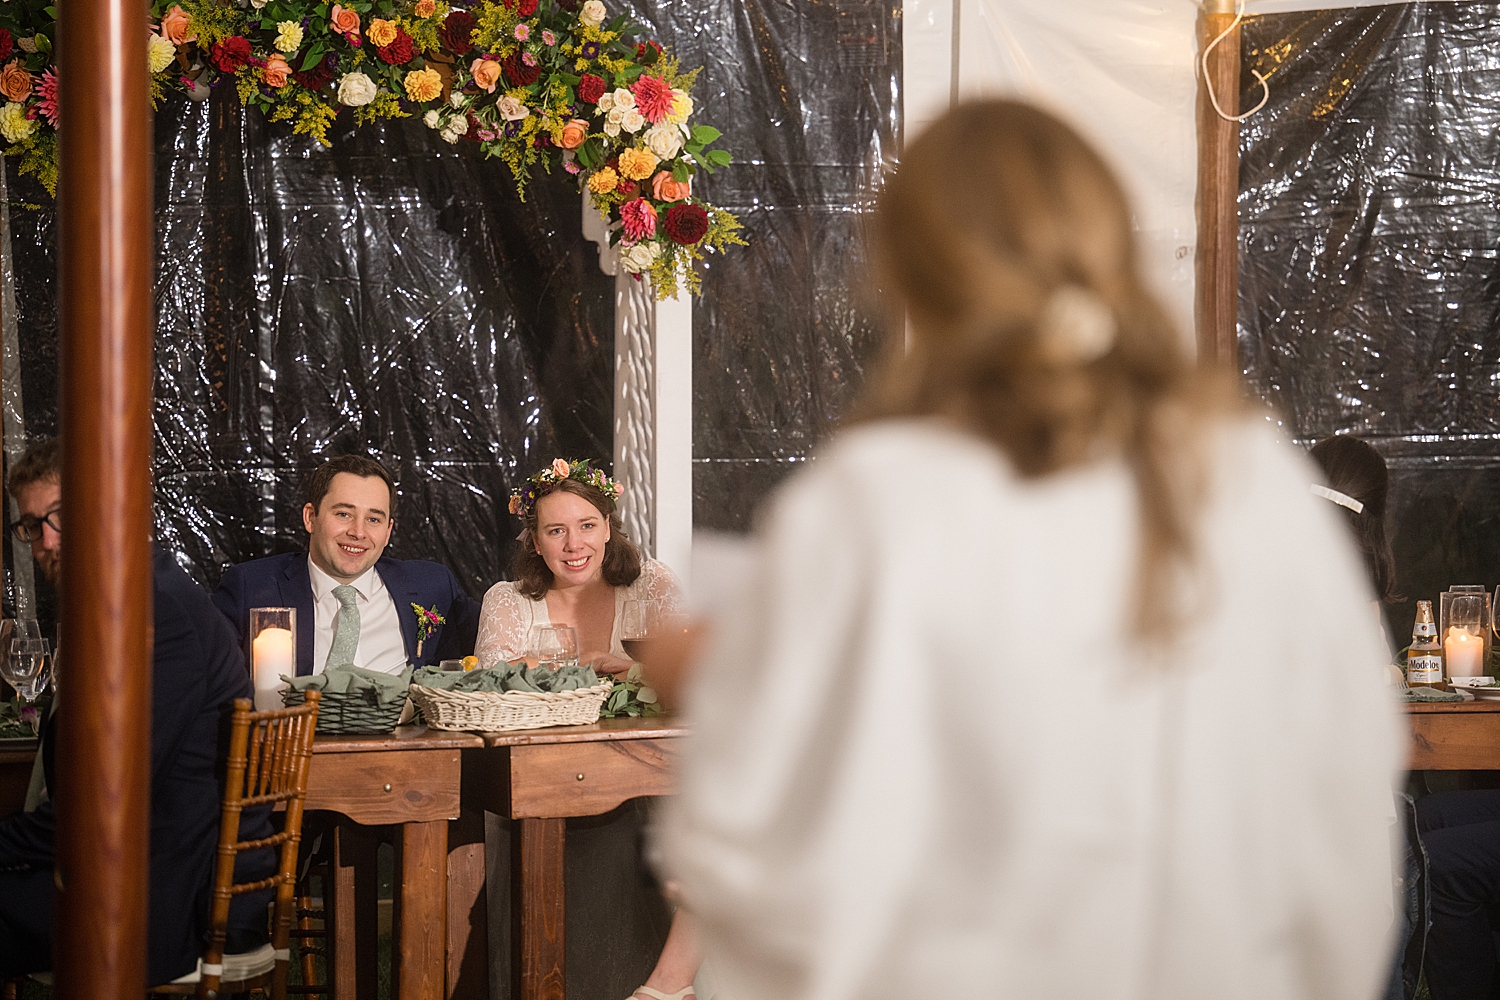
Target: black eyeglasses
column 29, row 529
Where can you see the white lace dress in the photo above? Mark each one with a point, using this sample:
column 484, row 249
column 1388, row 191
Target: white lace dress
column 507, row 618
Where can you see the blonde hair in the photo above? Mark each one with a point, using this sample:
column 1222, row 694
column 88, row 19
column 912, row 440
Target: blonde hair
column 1009, row 243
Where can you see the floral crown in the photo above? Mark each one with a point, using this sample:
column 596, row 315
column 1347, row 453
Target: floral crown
column 524, row 497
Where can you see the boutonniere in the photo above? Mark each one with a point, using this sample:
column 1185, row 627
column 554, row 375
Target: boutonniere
column 427, row 620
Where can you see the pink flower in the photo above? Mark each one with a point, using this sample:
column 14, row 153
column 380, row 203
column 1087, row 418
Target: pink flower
column 522, row 32
column 528, row 59
column 47, row 90
column 653, row 97
column 639, row 219
column 571, row 166
column 548, row 38
column 560, row 468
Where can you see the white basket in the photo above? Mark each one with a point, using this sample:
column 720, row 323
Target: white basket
column 494, row 711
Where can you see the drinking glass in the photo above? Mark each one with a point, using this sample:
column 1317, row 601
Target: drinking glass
column 567, row 642
column 546, row 645
column 639, row 618
column 26, row 667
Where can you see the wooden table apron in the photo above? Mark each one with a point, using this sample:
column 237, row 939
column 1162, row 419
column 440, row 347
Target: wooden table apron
column 540, row 777
column 1455, row 736
column 410, row 779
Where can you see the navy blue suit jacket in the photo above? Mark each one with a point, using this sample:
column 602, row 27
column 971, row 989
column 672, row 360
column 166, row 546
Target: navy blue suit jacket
column 197, row 672
column 283, row 582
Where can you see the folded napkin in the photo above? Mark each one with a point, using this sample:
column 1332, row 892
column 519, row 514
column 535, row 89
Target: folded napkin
column 508, row 677
column 355, row 681
column 1432, row 694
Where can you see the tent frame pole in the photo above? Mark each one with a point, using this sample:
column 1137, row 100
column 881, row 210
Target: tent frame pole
column 1216, row 266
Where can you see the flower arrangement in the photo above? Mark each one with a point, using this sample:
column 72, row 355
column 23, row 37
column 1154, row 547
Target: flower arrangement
column 543, row 82
column 524, row 497
column 534, row 82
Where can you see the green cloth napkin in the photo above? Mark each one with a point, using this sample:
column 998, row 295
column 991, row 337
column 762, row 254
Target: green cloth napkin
column 350, row 680
column 508, row 677
column 1432, row 694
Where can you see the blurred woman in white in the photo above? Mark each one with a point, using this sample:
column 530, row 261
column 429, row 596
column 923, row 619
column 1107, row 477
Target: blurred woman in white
column 1053, row 680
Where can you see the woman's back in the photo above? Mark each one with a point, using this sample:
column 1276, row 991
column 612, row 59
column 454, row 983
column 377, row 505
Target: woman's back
column 931, row 760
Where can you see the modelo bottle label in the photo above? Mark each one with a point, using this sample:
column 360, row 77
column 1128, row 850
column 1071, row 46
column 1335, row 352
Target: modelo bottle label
column 1424, row 630
column 1424, row 668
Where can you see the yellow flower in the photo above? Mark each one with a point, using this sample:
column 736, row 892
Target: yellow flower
column 604, row 181
column 288, row 36
column 425, row 8
column 14, row 124
column 423, row 85
column 637, row 164
column 381, row 32
column 160, row 53
column 682, row 107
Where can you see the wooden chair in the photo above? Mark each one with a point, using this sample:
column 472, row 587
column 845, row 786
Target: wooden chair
column 269, row 756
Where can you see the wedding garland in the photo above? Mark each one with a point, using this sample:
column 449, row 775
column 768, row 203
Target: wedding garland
column 534, row 82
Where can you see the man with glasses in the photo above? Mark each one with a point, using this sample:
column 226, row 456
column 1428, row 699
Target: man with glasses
column 197, row 672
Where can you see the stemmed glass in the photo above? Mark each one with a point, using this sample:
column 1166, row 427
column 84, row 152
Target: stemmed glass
column 637, row 626
column 25, row 667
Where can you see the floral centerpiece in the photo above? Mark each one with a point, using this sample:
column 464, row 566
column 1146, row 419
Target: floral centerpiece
column 534, row 82
column 549, row 82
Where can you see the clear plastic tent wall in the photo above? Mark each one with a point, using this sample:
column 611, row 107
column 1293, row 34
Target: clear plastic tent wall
column 1370, row 261
column 392, row 295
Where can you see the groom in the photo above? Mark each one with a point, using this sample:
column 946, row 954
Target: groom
column 353, row 604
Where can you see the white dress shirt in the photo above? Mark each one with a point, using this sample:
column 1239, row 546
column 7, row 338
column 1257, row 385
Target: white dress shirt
column 381, row 646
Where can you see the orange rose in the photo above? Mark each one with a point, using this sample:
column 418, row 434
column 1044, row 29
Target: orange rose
column 574, row 133
column 665, row 188
column 486, row 73
column 381, row 32
column 15, row 82
column 343, row 20
column 174, row 26
column 277, row 71
column 425, row 8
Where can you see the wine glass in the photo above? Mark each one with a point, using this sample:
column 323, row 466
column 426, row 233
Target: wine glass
column 639, row 619
column 25, row 668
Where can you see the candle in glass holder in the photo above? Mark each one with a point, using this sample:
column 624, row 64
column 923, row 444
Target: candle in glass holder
column 1464, row 652
column 273, row 653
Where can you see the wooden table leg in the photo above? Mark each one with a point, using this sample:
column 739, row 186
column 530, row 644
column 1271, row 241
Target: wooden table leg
column 468, row 926
column 421, row 911
column 541, row 902
column 352, row 912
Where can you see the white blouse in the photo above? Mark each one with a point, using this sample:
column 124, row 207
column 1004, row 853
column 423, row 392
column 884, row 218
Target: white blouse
column 927, row 760
column 507, row 617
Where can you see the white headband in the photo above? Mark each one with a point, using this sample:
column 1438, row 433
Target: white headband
column 1342, row 499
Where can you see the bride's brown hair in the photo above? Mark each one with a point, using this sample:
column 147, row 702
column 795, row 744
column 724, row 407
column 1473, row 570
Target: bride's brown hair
column 995, row 210
column 622, row 560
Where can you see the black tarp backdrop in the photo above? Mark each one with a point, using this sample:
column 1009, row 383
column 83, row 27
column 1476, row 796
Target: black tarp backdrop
column 392, row 294
column 1370, row 262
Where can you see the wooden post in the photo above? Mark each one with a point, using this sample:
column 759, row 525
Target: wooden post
column 104, row 750
column 1216, row 272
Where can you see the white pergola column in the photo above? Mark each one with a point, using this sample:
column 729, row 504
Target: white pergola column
column 653, row 429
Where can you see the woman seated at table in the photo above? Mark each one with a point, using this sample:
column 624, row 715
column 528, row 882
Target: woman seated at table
column 576, row 566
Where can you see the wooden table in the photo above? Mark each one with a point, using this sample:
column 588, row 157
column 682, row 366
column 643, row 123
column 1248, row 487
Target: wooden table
column 540, row 777
column 1455, row 736
column 411, row 779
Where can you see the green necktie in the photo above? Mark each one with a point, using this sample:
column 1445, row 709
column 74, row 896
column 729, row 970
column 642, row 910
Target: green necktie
column 346, row 634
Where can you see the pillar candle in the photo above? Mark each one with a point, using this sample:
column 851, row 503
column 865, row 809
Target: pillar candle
column 273, row 654
column 1464, row 652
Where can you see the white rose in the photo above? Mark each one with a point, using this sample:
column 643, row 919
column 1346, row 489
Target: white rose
column 664, row 141
column 449, row 136
column 356, row 90
column 605, row 103
column 457, row 99
column 430, row 119
column 624, row 99
column 616, row 115
column 633, row 121
column 458, row 125
column 511, row 109
column 258, row 4
column 639, row 257
column 159, row 52
column 611, row 129
column 592, row 13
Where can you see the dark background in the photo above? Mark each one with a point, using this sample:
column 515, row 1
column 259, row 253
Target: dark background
column 393, row 295
column 1369, row 270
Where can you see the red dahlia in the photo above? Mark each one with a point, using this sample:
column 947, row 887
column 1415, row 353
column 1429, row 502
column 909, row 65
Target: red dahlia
column 399, row 51
column 318, row 77
column 591, row 88
column 518, row 73
column 527, row 8
column 6, row 44
column 686, row 224
column 230, row 53
column 457, row 32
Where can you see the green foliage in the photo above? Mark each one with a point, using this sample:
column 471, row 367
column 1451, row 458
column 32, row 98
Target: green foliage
column 37, row 156
column 211, row 21
column 631, row 697
column 385, row 105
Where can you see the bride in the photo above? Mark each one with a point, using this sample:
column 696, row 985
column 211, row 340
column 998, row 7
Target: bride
column 575, row 567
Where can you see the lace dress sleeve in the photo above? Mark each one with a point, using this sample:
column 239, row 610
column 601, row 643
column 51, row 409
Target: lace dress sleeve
column 658, row 583
column 504, row 623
